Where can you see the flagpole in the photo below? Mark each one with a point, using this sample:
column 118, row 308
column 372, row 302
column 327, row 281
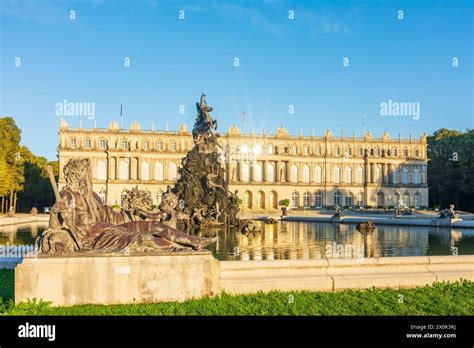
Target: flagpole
column 121, row 116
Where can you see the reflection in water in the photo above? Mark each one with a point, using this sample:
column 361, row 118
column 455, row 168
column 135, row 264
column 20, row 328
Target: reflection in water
column 310, row 240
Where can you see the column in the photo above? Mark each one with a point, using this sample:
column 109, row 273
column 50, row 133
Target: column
column 265, row 171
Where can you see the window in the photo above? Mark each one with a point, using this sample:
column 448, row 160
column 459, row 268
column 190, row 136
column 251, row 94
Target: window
column 306, row 170
column 248, row 199
column 406, row 199
column 146, row 145
column 348, row 175
column 405, row 175
column 295, row 199
column 159, row 146
column 360, row 200
column 101, row 170
column 306, row 199
column 349, row 200
column 294, row 173
column 405, row 152
column 272, row 199
column 318, row 198
column 173, row 146
column 295, row 150
column 103, row 143
column 73, row 143
column 124, row 144
column 271, row 173
column 306, row 150
column 337, row 199
column 360, row 151
column 87, row 143
column 145, row 171
column 395, row 152
column 337, row 151
column 396, row 199
column 337, row 174
column 318, row 174
column 377, row 174
column 377, row 152
column 417, row 200
column 417, row 153
column 319, row 150
column 124, row 170
column 360, row 175
column 395, row 174
column 159, row 171
column 260, row 199
column 380, row 199
column 172, row 171
column 245, row 172
column 270, row 149
column 416, row 176
column 257, row 173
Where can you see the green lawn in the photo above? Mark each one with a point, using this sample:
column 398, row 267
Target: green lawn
column 439, row 299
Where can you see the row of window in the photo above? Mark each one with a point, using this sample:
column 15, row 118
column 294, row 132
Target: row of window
column 258, row 149
column 124, row 170
column 337, row 175
column 124, row 144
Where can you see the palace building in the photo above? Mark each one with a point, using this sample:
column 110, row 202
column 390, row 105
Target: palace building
column 310, row 171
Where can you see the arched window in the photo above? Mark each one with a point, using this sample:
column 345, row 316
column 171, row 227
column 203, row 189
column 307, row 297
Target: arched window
column 159, row 171
column 102, row 170
column 360, row 199
column 396, row 199
column 395, row 174
column 145, row 170
column 416, row 176
column 172, row 171
column 337, row 199
column 306, row 173
column 306, row 199
column 318, row 174
column 337, row 174
column 380, row 199
column 124, row 170
column 245, row 172
column 257, row 174
column 260, row 199
column 73, row 143
column 295, row 199
column 294, row 173
column 405, row 175
column 406, row 199
column 318, row 199
column 377, row 174
column 248, row 199
column 349, row 175
column 273, row 199
column 349, row 200
column 417, row 200
column 360, row 175
column 271, row 173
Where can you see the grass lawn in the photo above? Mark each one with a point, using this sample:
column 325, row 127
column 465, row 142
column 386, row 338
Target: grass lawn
column 439, row 299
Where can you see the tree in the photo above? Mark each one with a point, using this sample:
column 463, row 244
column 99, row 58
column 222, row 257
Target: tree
column 451, row 168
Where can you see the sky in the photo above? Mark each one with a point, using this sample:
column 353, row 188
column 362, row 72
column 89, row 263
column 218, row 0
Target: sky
column 305, row 65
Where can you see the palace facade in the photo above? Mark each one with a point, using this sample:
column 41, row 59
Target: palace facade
column 310, row 171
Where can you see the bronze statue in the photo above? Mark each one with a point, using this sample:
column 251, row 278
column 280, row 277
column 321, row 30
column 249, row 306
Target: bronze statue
column 79, row 221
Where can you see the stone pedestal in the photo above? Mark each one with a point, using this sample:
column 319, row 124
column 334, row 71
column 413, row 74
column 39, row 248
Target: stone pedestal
column 105, row 279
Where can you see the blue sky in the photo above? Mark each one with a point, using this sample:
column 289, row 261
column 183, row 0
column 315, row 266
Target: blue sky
column 283, row 62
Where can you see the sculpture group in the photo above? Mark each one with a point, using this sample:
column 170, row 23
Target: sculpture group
column 81, row 222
